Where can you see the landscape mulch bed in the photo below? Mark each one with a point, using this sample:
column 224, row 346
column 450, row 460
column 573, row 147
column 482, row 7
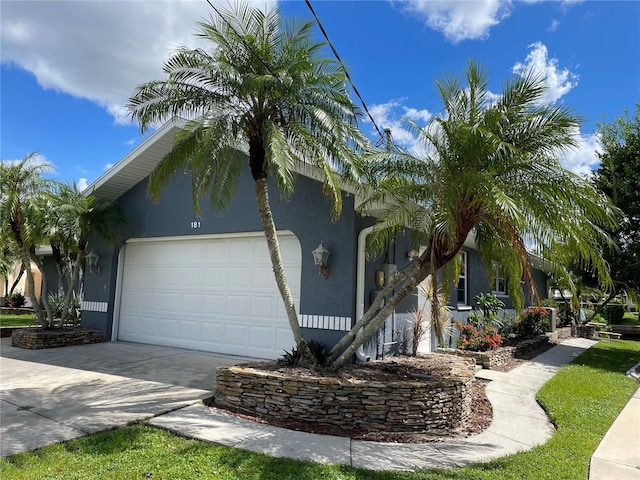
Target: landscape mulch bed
column 477, row 422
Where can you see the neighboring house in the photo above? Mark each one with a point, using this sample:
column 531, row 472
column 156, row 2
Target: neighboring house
column 22, row 286
column 207, row 283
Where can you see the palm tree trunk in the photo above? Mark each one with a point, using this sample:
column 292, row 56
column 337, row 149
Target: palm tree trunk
column 24, row 256
column 72, row 283
column 378, row 320
column 269, row 228
column 17, row 280
column 43, row 292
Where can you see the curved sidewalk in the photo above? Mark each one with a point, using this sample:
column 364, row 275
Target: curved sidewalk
column 519, row 424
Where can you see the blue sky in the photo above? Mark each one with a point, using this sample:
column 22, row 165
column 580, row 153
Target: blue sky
column 68, row 67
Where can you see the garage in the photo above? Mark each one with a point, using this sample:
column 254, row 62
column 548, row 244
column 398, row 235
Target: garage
column 214, row 293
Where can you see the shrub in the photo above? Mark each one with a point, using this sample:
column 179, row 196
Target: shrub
column 613, row 313
column 508, row 325
column 16, row 300
column 292, row 358
column 477, row 339
column 533, row 321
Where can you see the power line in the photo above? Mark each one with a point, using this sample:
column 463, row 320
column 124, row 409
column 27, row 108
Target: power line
column 346, row 72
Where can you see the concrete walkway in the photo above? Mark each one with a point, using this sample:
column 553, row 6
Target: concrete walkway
column 618, row 455
column 519, row 424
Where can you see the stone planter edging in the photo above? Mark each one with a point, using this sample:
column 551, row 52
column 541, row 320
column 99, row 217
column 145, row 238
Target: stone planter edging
column 495, row 358
column 36, row 338
column 426, row 404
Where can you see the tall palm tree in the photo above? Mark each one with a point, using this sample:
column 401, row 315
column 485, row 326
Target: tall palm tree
column 263, row 96
column 22, row 188
column 80, row 217
column 490, row 164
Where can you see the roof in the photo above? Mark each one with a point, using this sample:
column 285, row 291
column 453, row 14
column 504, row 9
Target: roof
column 140, row 162
column 137, row 165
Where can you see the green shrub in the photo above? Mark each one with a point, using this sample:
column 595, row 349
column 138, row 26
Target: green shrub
column 292, row 358
column 533, row 321
column 613, row 313
column 16, row 300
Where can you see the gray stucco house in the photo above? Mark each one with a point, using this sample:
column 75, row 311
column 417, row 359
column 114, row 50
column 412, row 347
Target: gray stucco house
column 207, row 284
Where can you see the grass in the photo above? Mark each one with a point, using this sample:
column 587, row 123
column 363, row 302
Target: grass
column 583, row 400
column 17, row 320
column 630, row 318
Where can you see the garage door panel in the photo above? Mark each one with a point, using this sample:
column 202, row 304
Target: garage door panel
column 216, row 294
column 236, row 305
column 261, row 337
column 236, row 334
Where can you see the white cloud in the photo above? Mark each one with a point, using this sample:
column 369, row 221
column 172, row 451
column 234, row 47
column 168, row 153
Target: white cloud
column 131, row 142
column 584, row 159
column 390, row 115
column 554, row 25
column 99, row 51
column 107, row 167
column 460, row 20
column 82, row 184
column 559, row 81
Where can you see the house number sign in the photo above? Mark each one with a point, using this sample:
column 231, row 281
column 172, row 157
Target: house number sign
column 195, row 224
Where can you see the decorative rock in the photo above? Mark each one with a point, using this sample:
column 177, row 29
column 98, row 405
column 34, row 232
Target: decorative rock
column 433, row 404
column 35, row 339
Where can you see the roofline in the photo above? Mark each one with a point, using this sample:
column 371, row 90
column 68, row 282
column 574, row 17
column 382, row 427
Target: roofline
column 132, row 155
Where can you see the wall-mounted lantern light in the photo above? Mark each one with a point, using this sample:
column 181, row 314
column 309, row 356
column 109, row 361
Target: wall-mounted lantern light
column 320, row 256
column 92, row 262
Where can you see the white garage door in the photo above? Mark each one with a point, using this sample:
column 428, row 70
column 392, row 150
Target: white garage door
column 213, row 293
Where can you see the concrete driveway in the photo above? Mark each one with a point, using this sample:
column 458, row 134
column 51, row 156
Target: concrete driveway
column 53, row 395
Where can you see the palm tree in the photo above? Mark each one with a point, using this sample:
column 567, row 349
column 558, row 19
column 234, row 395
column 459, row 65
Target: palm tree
column 490, row 164
column 78, row 218
column 22, row 188
column 264, row 94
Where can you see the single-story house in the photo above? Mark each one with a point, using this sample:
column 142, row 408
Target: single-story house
column 207, row 283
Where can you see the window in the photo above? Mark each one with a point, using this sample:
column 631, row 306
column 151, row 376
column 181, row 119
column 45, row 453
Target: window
column 499, row 281
column 462, row 281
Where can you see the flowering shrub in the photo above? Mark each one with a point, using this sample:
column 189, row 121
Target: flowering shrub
column 477, row 339
column 533, row 321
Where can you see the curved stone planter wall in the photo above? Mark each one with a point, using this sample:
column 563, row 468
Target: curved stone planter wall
column 426, row 404
column 34, row 339
column 495, row 358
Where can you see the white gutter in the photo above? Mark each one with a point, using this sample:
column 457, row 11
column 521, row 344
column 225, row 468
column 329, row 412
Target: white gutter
column 360, row 270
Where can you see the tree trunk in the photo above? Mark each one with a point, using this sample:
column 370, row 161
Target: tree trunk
column 600, row 307
column 43, row 292
column 72, row 283
column 378, row 320
column 264, row 208
column 17, row 280
column 24, row 256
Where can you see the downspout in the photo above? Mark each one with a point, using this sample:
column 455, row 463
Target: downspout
column 360, row 271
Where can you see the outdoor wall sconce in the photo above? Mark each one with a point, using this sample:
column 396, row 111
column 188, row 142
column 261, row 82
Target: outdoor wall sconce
column 320, row 256
column 379, row 279
column 92, row 262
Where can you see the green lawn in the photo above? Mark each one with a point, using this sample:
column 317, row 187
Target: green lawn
column 583, row 399
column 630, row 318
column 17, row 320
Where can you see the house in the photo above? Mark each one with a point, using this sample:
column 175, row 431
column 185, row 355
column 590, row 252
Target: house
column 207, row 283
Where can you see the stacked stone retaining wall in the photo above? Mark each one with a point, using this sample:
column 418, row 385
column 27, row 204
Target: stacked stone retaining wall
column 35, row 339
column 496, row 358
column 424, row 404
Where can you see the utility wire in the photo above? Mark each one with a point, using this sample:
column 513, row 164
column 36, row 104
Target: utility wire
column 335, row 52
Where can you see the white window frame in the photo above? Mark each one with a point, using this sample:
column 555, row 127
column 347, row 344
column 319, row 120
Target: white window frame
column 498, row 275
column 464, row 275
